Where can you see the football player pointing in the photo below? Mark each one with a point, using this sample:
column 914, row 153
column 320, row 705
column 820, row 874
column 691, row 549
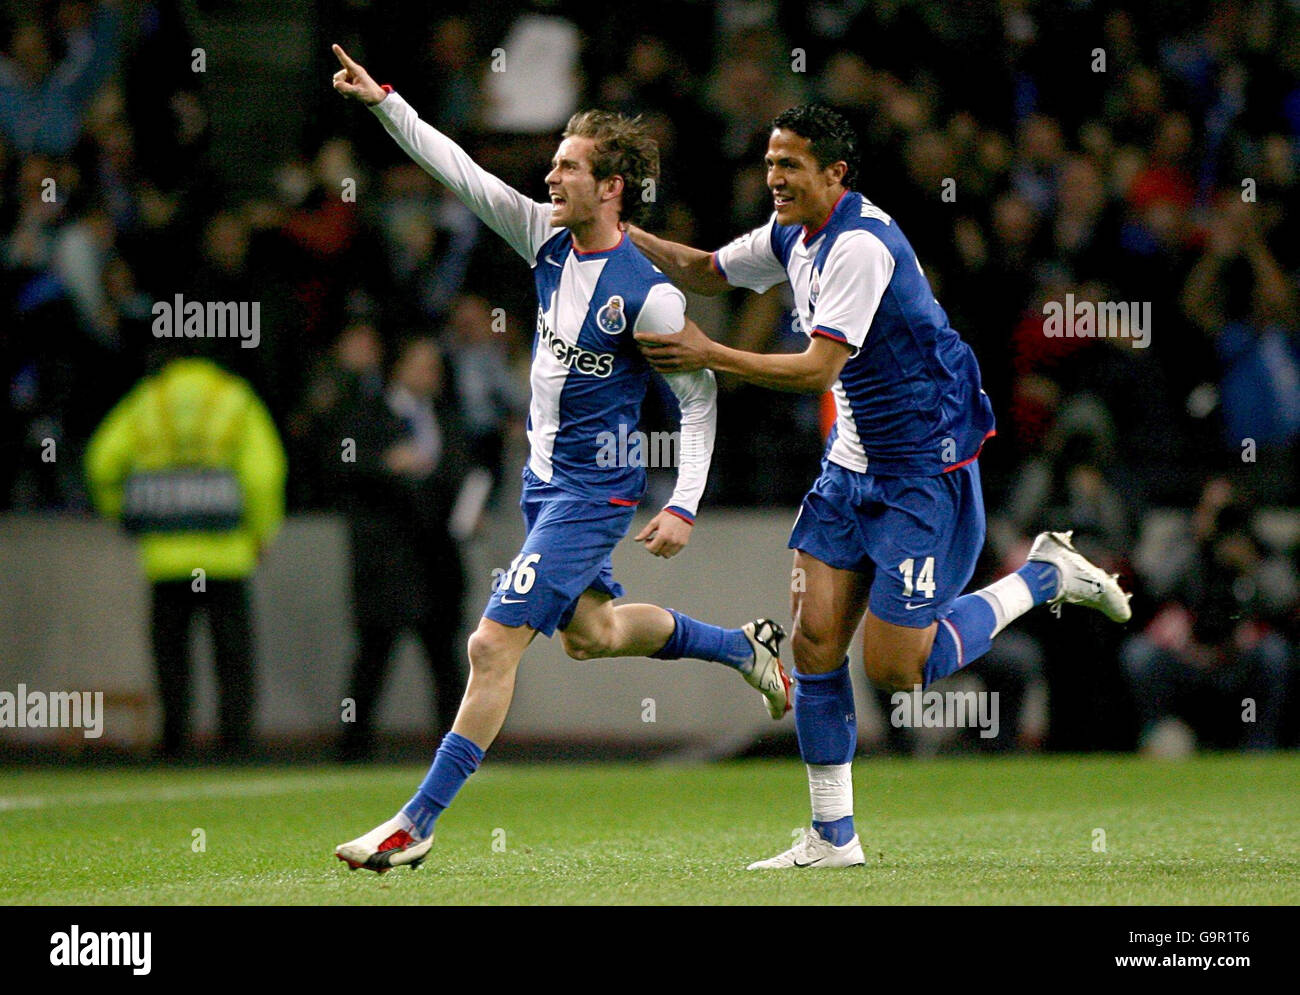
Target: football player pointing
column 893, row 526
column 594, row 291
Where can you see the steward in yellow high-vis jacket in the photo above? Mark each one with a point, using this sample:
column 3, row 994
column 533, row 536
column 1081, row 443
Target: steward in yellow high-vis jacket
column 191, row 463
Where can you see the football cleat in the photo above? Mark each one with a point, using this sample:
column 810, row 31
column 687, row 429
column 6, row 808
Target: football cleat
column 1082, row 582
column 813, row 851
column 383, row 848
column 766, row 673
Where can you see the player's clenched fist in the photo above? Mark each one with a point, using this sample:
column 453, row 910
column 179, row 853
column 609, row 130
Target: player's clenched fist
column 353, row 80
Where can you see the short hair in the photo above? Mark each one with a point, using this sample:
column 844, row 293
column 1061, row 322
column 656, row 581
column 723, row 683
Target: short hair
column 830, row 136
column 623, row 147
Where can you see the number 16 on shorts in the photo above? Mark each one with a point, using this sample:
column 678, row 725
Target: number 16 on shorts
column 521, row 574
column 924, row 582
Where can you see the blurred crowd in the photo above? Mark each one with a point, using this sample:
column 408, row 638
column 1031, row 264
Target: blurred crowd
column 1032, row 152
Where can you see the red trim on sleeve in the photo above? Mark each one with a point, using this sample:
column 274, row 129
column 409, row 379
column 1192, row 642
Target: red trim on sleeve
column 832, row 335
column 677, row 514
column 385, row 87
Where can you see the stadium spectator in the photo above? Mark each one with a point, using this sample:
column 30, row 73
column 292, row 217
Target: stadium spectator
column 1072, row 482
column 428, row 239
column 191, row 464
column 42, row 100
column 398, row 488
column 493, row 400
column 1213, row 654
column 1239, row 295
column 352, row 373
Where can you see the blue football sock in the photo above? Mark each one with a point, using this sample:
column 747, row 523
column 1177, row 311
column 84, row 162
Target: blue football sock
column 457, row 758
column 701, row 641
column 966, row 633
column 827, row 727
column 1042, row 579
column 837, row 832
column 963, row 636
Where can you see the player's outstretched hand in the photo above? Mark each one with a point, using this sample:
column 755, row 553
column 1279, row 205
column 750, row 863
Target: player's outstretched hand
column 681, row 353
column 665, row 535
column 353, row 80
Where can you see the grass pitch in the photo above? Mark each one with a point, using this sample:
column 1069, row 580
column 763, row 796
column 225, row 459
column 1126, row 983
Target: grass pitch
column 1219, row 829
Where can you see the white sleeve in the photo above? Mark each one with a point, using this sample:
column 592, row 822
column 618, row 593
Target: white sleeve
column 664, row 313
column 524, row 224
column 857, row 271
column 749, row 261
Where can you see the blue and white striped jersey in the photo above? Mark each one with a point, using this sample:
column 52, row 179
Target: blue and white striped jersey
column 908, row 400
column 588, row 376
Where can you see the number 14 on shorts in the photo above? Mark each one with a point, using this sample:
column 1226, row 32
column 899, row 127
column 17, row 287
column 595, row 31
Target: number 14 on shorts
column 924, row 582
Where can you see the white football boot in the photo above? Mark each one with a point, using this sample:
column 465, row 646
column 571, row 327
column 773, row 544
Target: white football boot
column 386, row 846
column 813, row 851
column 1082, row 582
column 766, row 673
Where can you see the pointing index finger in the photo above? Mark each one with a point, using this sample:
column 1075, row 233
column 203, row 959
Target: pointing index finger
column 344, row 58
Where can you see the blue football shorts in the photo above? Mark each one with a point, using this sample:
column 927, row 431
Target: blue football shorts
column 918, row 538
column 566, row 552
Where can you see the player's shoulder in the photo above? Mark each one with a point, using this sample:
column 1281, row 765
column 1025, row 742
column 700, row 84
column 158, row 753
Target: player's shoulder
column 855, row 213
column 783, row 239
column 780, row 238
column 860, row 229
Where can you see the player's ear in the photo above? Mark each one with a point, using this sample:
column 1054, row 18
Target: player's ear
column 836, row 171
column 614, row 187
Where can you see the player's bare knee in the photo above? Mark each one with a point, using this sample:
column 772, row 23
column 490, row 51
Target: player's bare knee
column 592, row 642
column 813, row 654
column 578, row 646
column 487, row 650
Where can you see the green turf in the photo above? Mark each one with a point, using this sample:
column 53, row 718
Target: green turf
column 1215, row 829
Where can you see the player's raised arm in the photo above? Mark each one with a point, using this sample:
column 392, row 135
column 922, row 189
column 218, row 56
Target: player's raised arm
column 523, row 223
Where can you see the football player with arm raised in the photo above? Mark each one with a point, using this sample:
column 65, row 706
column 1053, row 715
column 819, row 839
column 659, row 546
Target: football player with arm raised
column 595, row 290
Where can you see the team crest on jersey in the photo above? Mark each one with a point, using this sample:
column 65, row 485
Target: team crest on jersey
column 612, row 318
column 814, row 288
